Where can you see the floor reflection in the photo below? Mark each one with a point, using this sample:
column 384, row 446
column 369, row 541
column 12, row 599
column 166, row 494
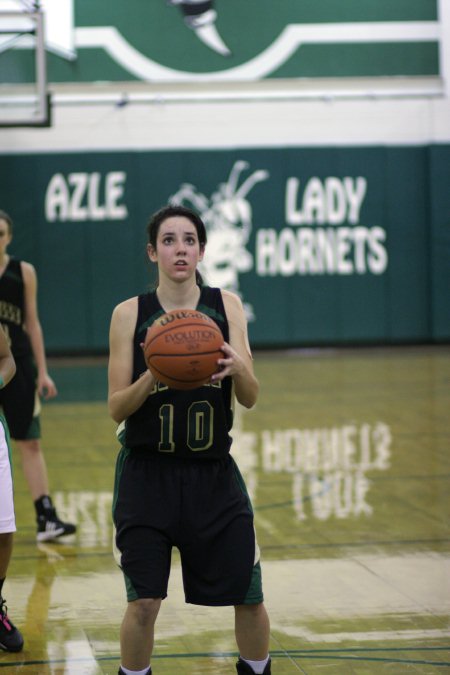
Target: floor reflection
column 346, row 460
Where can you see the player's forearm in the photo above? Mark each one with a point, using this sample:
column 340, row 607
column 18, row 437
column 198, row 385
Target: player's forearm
column 38, row 349
column 246, row 388
column 124, row 402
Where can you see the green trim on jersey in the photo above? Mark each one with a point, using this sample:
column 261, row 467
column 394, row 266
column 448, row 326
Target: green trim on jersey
column 205, row 309
column 34, row 430
column 131, row 591
column 242, row 484
column 148, row 322
column 8, row 441
column 255, row 592
column 209, row 311
column 121, row 457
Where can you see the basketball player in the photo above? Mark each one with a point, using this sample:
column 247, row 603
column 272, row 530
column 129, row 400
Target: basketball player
column 176, row 483
column 20, row 399
column 11, row 639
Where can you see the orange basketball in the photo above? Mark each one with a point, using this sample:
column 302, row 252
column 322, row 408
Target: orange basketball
column 182, row 347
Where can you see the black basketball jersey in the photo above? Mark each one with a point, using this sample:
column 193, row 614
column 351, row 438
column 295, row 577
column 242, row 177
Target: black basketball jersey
column 12, row 308
column 194, row 424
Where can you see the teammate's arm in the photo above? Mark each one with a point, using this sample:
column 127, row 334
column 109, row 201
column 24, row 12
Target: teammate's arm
column 237, row 360
column 45, row 384
column 125, row 397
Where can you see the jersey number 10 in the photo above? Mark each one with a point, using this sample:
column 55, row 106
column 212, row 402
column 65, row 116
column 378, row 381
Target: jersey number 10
column 200, row 427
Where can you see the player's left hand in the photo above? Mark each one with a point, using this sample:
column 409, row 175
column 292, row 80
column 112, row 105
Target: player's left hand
column 46, row 387
column 230, row 365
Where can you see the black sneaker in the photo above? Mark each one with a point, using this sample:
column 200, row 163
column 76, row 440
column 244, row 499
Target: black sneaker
column 244, row 669
column 11, row 639
column 50, row 527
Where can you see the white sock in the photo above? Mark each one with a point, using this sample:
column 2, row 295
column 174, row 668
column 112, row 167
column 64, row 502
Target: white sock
column 135, row 672
column 257, row 666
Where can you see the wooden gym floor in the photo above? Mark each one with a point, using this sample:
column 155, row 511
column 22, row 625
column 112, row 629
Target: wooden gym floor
column 347, row 459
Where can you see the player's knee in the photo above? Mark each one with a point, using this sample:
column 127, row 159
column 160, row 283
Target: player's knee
column 145, row 610
column 5, row 539
column 30, row 446
column 250, row 610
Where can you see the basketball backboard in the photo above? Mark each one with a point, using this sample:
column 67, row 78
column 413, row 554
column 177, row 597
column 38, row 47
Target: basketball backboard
column 24, row 100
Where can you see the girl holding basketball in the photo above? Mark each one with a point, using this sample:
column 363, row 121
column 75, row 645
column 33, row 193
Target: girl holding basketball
column 176, row 483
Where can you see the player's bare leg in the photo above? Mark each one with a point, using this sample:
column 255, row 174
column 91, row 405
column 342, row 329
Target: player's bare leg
column 34, row 467
column 49, row 526
column 252, row 629
column 6, row 546
column 137, row 633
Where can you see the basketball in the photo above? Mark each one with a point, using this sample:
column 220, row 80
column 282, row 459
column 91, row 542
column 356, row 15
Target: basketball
column 182, row 347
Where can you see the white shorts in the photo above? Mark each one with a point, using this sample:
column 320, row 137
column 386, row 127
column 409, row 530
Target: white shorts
column 7, row 516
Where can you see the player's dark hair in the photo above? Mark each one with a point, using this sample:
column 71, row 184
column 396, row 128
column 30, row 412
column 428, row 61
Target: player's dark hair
column 169, row 212
column 8, row 219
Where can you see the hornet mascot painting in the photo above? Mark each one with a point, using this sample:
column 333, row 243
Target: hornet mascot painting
column 200, row 16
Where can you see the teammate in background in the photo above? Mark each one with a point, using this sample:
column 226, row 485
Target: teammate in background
column 10, row 638
column 176, row 483
column 20, row 399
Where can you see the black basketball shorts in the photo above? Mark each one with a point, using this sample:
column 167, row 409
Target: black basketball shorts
column 200, row 507
column 20, row 402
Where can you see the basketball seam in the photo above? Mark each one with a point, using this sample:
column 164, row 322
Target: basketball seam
column 216, row 329
column 202, row 380
column 185, row 354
